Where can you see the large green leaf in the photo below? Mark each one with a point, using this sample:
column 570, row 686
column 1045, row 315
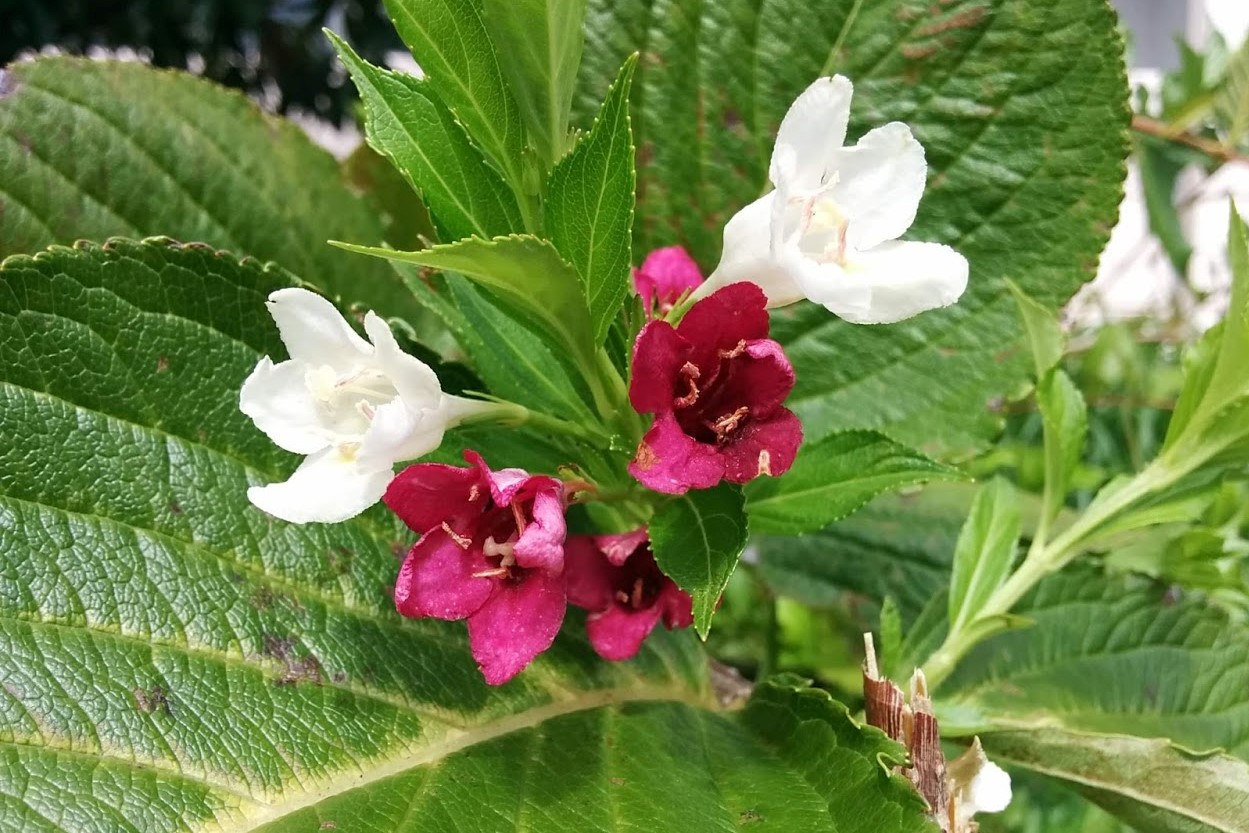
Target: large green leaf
column 414, row 130
column 94, row 149
column 589, row 205
column 171, row 659
column 1020, row 105
column 539, row 48
column 985, row 551
column 835, row 476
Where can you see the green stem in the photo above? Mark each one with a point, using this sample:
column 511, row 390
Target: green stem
column 1046, row 559
column 501, row 412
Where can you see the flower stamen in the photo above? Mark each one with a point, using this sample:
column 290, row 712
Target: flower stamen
column 689, row 371
column 462, row 541
column 728, row 423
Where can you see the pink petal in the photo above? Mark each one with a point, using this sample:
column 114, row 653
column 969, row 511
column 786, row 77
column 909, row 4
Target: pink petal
column 618, row 548
column 437, row 579
column 737, row 312
column 519, row 622
column 760, row 378
column 763, row 447
column 658, row 355
column 666, row 274
column 670, row 461
column 425, row 495
column 587, row 574
column 541, row 545
column 618, row 632
column 504, row 483
column 677, row 606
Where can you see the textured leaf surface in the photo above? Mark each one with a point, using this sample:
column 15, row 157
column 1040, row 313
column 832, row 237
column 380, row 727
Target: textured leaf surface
column 835, row 476
column 171, row 659
column 1148, row 783
column 417, row 133
column 539, row 47
column 589, row 205
column 698, row 539
column 95, row 149
column 1021, row 106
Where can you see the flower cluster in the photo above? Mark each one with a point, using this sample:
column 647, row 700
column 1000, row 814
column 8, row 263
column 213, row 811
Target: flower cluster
column 492, row 547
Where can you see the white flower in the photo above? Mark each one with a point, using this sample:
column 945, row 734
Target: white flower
column 828, row 232
column 354, row 408
column 977, row 785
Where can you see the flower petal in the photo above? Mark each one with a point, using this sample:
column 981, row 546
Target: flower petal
column 748, row 256
column 666, row 274
column 677, row 606
column 618, row 633
column 880, row 181
column 844, row 293
column 721, row 321
column 326, row 488
column 906, row 278
column 427, row 494
column 399, row 432
column 518, row 622
column 587, row 573
column 541, row 545
column 815, row 127
column 763, row 447
column 314, row 331
column 437, row 579
column 415, row 381
column 658, row 355
column 503, row 483
column 670, row 461
column 617, row 548
column 760, row 378
column 277, row 399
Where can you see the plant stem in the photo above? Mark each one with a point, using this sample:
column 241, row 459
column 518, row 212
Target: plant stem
column 1049, row 558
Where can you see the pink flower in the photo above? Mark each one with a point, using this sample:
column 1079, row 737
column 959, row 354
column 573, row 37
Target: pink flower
column 665, row 276
column 615, row 577
column 491, row 551
column 715, row 384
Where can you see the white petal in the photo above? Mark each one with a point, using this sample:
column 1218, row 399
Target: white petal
column 277, row 399
column 815, row 127
column 846, row 295
column 326, row 488
column 313, row 330
column 747, row 256
column 906, row 279
column 399, row 432
column 989, row 791
column 416, row 382
column 880, row 181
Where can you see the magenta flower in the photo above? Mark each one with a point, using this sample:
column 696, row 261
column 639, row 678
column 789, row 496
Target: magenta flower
column 491, row 551
column 665, row 276
column 615, row 577
column 715, row 384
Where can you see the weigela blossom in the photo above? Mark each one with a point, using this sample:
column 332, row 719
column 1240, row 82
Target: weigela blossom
column 665, row 276
column 616, row 579
column 829, row 231
column 977, row 785
column 491, row 552
column 715, row 383
column 354, row 408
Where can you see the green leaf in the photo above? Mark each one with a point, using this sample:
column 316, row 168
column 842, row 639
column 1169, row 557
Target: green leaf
column 984, row 552
column 1160, row 165
column 890, row 635
column 1025, row 164
column 95, row 149
column 524, row 272
column 1045, row 334
column 835, row 476
column 449, row 41
column 538, row 43
column 589, row 205
column 1147, row 783
column 698, row 539
column 408, row 125
column 1065, row 419
column 174, row 660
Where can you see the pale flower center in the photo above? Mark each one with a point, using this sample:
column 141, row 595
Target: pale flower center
column 824, row 227
column 347, row 403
